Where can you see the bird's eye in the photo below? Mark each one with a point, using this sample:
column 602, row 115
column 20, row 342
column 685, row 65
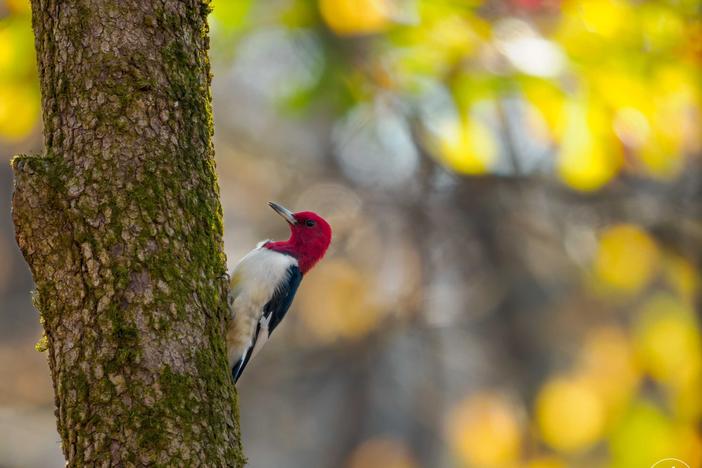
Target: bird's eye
column 309, row 223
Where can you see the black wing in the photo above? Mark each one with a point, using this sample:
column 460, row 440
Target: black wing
column 273, row 313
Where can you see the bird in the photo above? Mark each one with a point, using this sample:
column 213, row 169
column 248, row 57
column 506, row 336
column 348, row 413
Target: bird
column 264, row 282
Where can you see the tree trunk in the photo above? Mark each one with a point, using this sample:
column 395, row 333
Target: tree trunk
column 121, row 225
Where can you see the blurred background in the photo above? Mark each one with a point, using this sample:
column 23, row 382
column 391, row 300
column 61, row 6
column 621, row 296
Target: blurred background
column 516, row 192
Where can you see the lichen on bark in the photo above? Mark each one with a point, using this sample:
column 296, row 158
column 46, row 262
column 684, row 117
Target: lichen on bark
column 121, row 225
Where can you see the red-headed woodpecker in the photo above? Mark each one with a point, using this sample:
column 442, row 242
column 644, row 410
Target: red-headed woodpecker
column 265, row 281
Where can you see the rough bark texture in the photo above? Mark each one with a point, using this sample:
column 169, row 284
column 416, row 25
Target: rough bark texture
column 120, row 223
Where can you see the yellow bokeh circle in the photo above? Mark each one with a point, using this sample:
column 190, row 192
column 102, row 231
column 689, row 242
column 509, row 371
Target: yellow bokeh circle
column 627, row 258
column 485, row 430
column 355, row 17
column 570, row 415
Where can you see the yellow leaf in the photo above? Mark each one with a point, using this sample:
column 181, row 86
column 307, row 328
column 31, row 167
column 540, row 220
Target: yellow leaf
column 484, row 430
column 7, row 50
column 230, row 14
column 19, row 110
column 686, row 402
column 550, row 102
column 662, row 27
column 589, row 29
column 435, row 47
column 643, row 436
column 604, row 17
column 668, row 341
column 627, row 259
column 589, row 157
column 16, row 49
column 355, row 17
column 676, row 127
column 467, row 147
column 570, row 415
column 663, row 156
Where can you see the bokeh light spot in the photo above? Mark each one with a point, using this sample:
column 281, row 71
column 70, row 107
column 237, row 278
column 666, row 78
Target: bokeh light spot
column 627, row 258
column 608, row 364
column 570, row 415
column 668, row 340
column 643, row 436
column 336, row 302
column 588, row 158
column 382, row 452
column 467, row 147
column 355, row 17
column 484, row 430
column 19, row 110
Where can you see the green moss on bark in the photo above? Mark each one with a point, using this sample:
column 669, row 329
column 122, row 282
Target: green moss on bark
column 131, row 274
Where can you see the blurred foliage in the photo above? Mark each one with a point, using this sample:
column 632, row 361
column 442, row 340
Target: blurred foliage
column 485, row 430
column 585, row 92
column 385, row 452
column 19, row 88
column 378, row 106
column 626, row 259
column 606, row 87
column 569, row 414
column 342, row 288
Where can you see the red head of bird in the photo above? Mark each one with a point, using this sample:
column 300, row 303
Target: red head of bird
column 310, row 236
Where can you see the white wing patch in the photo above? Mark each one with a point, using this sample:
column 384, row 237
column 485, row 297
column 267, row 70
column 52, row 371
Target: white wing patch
column 263, row 334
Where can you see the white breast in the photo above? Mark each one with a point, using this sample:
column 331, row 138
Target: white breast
column 254, row 281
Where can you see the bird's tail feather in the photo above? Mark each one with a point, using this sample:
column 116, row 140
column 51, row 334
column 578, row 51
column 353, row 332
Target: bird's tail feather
column 238, row 367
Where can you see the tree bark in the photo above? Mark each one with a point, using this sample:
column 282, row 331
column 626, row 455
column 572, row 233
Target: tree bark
column 121, row 225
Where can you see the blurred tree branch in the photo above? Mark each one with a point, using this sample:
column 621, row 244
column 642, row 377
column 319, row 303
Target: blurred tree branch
column 120, row 223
